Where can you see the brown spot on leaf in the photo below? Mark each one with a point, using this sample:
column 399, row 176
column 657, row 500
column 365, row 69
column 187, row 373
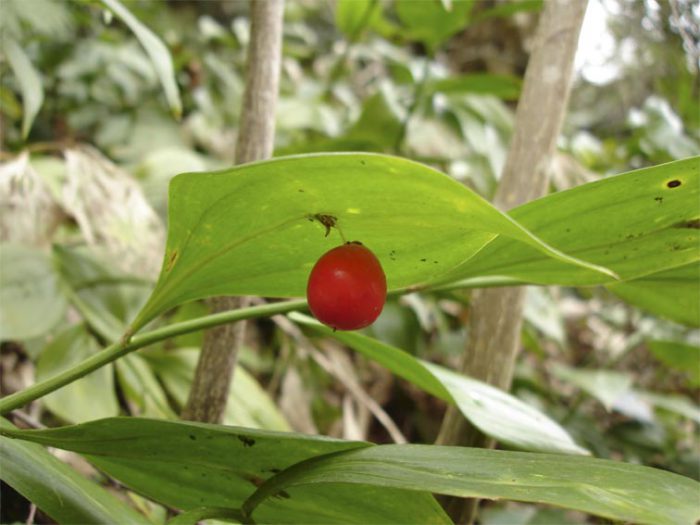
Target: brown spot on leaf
column 673, row 183
column 693, row 224
column 171, row 260
column 247, row 442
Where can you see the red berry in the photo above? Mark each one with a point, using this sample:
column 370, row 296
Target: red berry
column 347, row 287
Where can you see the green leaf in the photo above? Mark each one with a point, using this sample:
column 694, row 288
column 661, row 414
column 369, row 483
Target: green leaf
column 157, row 52
column 352, row 16
column 380, row 122
column 142, row 389
column 680, row 356
column 615, row 490
column 493, row 411
column 193, row 465
column 634, row 223
column 248, row 404
column 106, row 298
column 229, row 235
column 431, row 22
column 56, row 488
column 502, row 86
column 674, row 293
column 605, row 385
column 673, row 403
column 29, row 82
column 91, row 397
column 31, row 300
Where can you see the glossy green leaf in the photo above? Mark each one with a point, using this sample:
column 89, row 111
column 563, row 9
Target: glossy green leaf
column 157, row 52
column 674, row 293
column 29, row 82
column 432, row 22
column 91, row 397
column 31, row 300
column 493, row 411
column 605, row 488
column 57, row 489
column 637, row 223
column 501, row 86
column 229, row 235
column 192, row 465
column 605, row 385
column 680, row 356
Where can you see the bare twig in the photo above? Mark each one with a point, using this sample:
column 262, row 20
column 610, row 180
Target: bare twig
column 352, row 386
column 209, row 393
column 496, row 314
column 32, row 513
column 693, row 49
column 28, row 420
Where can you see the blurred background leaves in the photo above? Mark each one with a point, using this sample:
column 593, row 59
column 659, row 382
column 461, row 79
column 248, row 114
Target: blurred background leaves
column 89, row 144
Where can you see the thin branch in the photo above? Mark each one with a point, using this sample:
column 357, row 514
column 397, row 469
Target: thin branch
column 496, row 314
column 119, row 349
column 27, row 419
column 352, row 387
column 212, row 381
column 693, row 49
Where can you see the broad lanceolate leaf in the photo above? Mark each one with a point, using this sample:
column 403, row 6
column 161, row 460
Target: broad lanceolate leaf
column 637, row 223
column 56, row 488
column 251, row 229
column 29, row 82
column 612, row 489
column 493, row 411
column 31, row 300
column 157, row 52
column 674, row 293
column 193, row 465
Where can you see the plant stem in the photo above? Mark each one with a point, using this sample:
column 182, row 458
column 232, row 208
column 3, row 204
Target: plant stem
column 496, row 314
column 119, row 349
column 217, row 361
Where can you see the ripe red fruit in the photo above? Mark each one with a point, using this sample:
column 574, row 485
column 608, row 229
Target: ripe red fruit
column 347, row 287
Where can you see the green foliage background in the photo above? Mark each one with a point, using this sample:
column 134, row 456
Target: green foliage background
column 102, row 104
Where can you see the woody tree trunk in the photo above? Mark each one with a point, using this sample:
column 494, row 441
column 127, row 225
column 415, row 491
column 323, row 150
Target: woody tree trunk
column 496, row 314
column 217, row 362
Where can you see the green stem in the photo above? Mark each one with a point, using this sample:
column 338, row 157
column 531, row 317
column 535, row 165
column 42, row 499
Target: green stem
column 124, row 346
column 119, row 349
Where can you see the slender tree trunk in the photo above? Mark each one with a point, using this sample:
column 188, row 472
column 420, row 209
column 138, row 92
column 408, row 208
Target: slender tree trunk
column 496, row 313
column 217, row 362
